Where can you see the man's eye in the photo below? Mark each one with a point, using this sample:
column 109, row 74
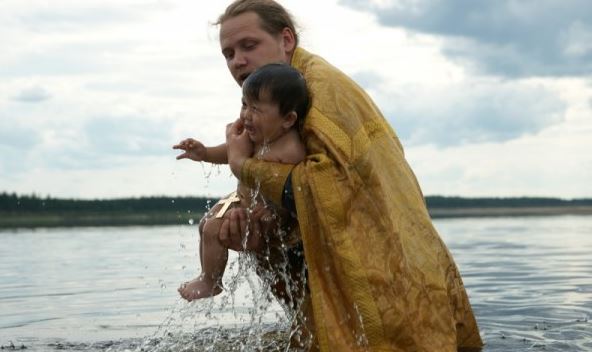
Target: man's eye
column 249, row 45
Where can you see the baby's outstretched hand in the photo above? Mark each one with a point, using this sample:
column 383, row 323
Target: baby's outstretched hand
column 193, row 150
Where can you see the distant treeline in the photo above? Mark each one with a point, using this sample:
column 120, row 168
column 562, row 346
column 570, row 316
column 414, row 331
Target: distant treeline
column 13, row 203
column 517, row 202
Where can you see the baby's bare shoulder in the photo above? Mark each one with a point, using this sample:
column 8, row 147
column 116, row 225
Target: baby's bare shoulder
column 289, row 150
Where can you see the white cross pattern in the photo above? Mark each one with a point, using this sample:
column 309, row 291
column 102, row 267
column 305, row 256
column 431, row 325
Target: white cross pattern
column 226, row 202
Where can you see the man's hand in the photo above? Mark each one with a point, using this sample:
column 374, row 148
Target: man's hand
column 194, row 150
column 240, row 147
column 234, row 234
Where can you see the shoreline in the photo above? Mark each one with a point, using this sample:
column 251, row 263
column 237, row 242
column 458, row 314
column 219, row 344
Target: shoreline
column 81, row 219
column 95, row 219
column 470, row 212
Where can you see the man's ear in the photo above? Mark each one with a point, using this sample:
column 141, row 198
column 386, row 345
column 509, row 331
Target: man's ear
column 290, row 120
column 289, row 40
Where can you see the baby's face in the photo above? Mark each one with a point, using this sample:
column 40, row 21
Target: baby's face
column 262, row 119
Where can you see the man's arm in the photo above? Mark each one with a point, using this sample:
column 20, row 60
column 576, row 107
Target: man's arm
column 234, row 227
column 269, row 177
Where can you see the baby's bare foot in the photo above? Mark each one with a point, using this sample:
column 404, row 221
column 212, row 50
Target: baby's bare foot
column 199, row 288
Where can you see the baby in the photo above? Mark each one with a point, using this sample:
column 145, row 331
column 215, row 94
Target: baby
column 275, row 101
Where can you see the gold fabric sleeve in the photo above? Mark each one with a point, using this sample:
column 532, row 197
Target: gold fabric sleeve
column 268, row 177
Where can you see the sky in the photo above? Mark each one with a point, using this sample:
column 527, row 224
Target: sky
column 490, row 98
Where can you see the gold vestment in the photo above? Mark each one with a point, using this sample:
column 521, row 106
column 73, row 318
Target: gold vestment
column 380, row 277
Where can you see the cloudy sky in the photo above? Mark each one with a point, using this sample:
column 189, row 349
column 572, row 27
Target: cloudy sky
column 490, row 98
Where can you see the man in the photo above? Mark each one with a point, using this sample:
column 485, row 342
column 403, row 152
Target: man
column 380, row 278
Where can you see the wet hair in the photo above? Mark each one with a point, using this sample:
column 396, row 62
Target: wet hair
column 274, row 17
column 284, row 85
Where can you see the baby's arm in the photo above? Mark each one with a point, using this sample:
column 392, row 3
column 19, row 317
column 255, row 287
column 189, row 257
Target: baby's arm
column 196, row 151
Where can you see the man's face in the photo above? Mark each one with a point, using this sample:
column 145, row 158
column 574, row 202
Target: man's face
column 246, row 46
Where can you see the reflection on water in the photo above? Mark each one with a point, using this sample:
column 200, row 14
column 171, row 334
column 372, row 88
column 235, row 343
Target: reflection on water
column 529, row 279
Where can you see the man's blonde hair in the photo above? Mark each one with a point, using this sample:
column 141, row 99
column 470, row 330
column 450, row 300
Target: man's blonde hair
column 274, row 17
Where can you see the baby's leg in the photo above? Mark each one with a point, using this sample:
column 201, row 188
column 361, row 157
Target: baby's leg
column 213, row 258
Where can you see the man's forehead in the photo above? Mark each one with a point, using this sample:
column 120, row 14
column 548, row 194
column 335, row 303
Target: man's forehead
column 240, row 26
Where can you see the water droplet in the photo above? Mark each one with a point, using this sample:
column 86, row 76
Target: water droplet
column 299, row 189
column 163, row 285
column 173, row 201
column 190, row 221
column 182, row 245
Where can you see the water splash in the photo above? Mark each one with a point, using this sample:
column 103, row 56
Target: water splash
column 245, row 316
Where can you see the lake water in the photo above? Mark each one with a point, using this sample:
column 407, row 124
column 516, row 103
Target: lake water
column 114, row 288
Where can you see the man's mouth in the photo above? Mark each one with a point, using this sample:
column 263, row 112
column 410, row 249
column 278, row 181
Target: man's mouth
column 243, row 77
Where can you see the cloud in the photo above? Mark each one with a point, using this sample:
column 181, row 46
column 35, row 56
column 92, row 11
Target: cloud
column 32, row 95
column 555, row 162
column 16, row 145
column 99, row 143
column 16, row 135
column 501, row 37
column 368, row 79
column 126, row 136
column 470, row 112
column 65, row 15
column 61, row 60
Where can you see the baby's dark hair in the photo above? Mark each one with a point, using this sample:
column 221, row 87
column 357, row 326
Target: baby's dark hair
column 285, row 86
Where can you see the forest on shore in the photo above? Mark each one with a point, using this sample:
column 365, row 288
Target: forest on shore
column 35, row 211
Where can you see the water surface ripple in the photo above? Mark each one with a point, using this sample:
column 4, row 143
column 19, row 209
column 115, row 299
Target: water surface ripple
column 529, row 279
column 114, row 288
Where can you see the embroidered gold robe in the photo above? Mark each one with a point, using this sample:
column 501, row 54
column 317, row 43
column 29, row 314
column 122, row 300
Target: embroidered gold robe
column 380, row 277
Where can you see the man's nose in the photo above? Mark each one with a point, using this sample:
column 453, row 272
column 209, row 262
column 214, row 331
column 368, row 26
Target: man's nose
column 239, row 60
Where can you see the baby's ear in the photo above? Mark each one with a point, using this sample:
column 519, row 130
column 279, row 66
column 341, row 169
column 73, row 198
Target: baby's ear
column 290, row 120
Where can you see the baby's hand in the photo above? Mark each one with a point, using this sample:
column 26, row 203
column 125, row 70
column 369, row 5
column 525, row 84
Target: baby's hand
column 194, row 150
